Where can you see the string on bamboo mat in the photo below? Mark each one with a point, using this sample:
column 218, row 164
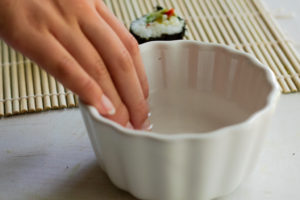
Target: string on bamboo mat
column 242, row 24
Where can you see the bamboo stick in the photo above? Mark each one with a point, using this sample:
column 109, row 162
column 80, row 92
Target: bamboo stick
column 29, row 85
column 14, row 81
column 244, row 33
column 131, row 11
column 61, row 96
column 76, row 100
column 22, row 84
column 117, row 11
column 154, row 3
column 148, row 6
column 211, row 22
column 291, row 53
column 142, row 6
column 53, row 92
column 249, row 32
column 219, row 24
column 138, row 11
column 45, row 90
column 238, row 30
column 7, row 80
column 228, row 27
column 70, row 98
column 268, row 51
column 37, row 88
column 191, row 6
column 124, row 13
column 167, row 4
column 251, row 35
column 288, row 57
column 201, row 31
column 1, row 83
column 280, row 54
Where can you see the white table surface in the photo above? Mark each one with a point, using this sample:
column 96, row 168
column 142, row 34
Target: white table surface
column 48, row 156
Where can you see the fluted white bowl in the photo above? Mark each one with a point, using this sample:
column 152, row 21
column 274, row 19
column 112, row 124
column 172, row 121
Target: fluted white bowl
column 210, row 108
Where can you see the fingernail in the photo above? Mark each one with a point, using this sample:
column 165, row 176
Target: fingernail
column 129, row 125
column 147, row 126
column 107, row 104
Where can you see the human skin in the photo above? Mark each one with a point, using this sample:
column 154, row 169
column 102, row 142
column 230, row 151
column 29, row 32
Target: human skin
column 84, row 46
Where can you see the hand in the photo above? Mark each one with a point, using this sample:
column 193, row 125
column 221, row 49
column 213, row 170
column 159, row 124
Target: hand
column 83, row 45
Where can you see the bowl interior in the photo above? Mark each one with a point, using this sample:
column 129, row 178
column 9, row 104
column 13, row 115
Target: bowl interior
column 200, row 88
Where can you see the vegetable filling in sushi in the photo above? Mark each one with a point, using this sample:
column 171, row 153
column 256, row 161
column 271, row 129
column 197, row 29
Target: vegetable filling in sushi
column 162, row 24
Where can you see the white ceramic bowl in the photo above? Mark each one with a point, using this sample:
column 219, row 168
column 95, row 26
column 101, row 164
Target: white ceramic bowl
column 210, row 107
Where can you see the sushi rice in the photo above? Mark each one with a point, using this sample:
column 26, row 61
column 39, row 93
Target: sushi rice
column 155, row 29
column 162, row 24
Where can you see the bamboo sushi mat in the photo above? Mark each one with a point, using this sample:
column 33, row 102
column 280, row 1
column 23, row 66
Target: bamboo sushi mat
column 242, row 24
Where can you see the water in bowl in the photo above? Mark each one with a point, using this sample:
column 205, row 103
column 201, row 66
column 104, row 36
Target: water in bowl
column 191, row 111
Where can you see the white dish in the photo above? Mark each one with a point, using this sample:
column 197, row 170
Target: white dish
column 210, row 109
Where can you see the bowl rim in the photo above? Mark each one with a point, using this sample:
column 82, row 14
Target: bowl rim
column 272, row 99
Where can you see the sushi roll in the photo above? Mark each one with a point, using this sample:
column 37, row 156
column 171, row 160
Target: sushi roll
column 162, row 24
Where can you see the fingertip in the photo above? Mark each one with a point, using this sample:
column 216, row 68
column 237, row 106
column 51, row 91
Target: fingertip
column 146, row 126
column 140, row 115
column 129, row 126
column 108, row 105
